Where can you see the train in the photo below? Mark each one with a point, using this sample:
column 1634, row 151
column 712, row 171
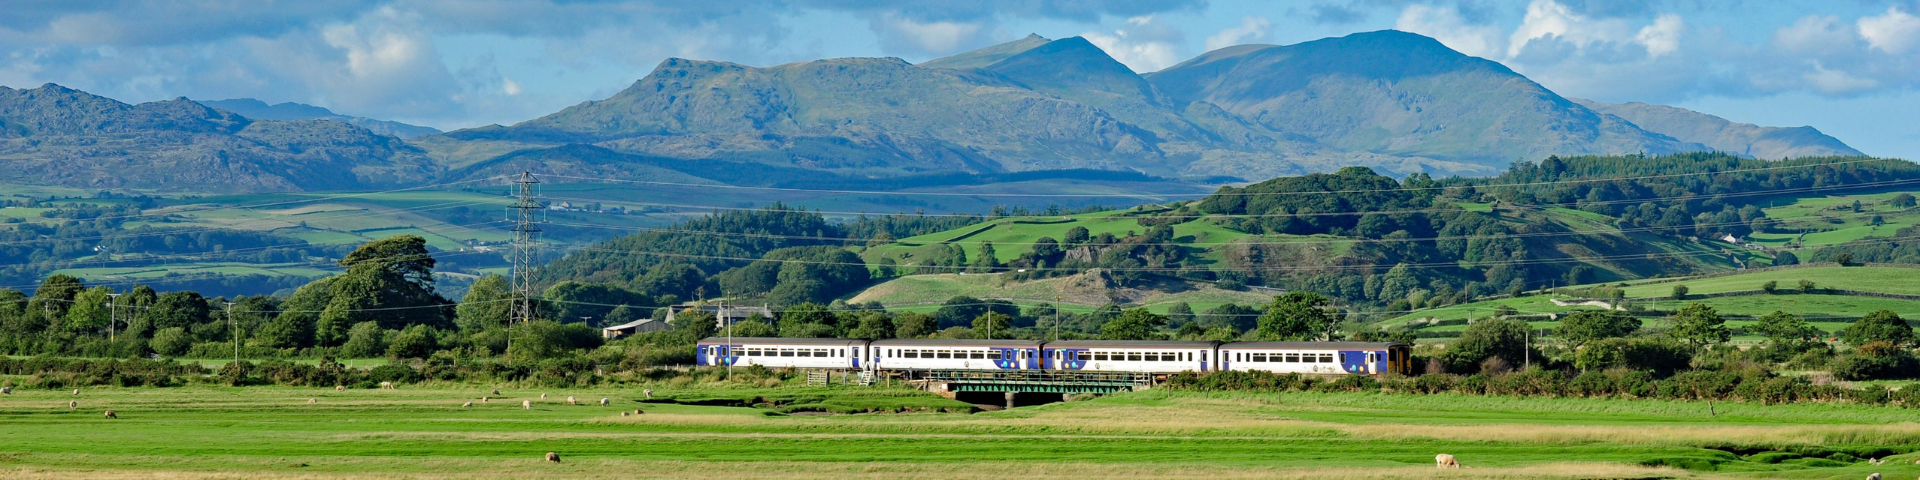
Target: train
column 1120, row 356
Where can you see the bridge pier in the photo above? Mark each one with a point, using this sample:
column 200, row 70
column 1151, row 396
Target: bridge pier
column 1010, row 397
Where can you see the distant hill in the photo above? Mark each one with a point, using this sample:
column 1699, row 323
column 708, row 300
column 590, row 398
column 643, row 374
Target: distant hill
column 1771, row 143
column 259, row 110
column 55, row 135
column 1393, row 101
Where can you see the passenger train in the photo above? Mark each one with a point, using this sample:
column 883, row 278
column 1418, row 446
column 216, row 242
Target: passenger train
column 1123, row 356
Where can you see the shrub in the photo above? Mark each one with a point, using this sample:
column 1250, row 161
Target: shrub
column 172, row 341
column 1679, row 292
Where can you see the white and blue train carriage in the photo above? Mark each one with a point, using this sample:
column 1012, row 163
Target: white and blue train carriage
column 1350, row 358
column 834, row 353
column 1132, row 356
column 943, row 354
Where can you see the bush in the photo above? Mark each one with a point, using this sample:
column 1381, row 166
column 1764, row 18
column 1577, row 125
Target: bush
column 172, row 341
column 393, row 372
column 1876, row 361
column 1679, row 292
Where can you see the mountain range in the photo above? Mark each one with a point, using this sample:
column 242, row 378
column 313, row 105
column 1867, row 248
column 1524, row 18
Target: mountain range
column 259, row 110
column 1395, row 101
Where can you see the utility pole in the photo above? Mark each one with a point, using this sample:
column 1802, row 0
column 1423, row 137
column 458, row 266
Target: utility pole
column 113, row 315
column 524, row 231
column 233, row 331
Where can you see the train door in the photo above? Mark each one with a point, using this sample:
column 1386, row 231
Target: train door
column 1373, row 363
column 1020, row 359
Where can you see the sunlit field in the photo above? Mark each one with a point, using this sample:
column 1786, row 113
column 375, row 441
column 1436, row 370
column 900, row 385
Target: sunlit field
column 426, row 432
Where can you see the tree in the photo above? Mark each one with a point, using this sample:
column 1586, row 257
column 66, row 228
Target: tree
column 1784, row 329
column 390, row 282
column 1135, row 324
column 698, row 323
column 415, row 341
column 572, row 301
column 54, row 297
column 913, row 325
column 1297, row 315
column 986, row 260
column 1077, row 235
column 179, row 309
column 1502, row 338
column 488, row 304
column 992, row 325
column 364, row 340
column 1770, row 286
column 301, row 313
column 1879, row 326
column 90, row 312
column 1807, row 286
column 1180, row 314
column 1700, row 325
column 1679, row 292
column 1903, row 200
column 874, row 326
column 1583, row 327
column 1661, row 357
column 171, row 341
column 808, row 320
column 1785, row 258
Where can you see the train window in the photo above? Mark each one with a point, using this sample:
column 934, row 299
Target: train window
column 786, row 352
column 977, row 354
column 1293, row 358
column 1152, row 356
column 943, row 354
column 1100, row 356
column 1326, row 358
column 1085, row 356
column 1133, row 356
column 993, row 355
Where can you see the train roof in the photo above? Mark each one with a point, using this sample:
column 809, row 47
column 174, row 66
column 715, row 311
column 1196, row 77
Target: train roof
column 1315, row 345
column 782, row 341
column 1130, row 344
column 943, row 342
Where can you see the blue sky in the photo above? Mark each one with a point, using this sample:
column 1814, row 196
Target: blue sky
column 1848, row 67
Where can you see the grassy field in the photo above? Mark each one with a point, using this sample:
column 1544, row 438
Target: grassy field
column 1014, row 236
column 274, row 433
column 931, row 290
column 1832, row 220
column 1829, row 312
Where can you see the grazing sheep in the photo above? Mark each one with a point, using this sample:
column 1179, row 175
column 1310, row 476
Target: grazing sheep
column 312, row 401
column 649, row 393
column 1446, row 461
column 570, row 400
column 623, row 413
column 72, row 404
column 486, row 399
column 553, row 457
column 526, row 404
column 496, row 391
column 603, row 402
column 76, row 391
column 466, row 405
column 339, row 388
column 637, row 411
column 386, row 385
column 543, row 396
column 6, row 390
column 1874, row 476
column 110, row 414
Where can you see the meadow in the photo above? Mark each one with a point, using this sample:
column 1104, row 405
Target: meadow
column 1831, row 220
column 424, row 432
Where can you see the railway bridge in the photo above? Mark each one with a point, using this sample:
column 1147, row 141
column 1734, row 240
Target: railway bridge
column 1012, row 383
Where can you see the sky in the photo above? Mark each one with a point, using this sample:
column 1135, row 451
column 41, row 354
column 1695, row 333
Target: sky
column 1848, row 67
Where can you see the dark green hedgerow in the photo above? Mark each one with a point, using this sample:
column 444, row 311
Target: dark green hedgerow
column 1752, row 385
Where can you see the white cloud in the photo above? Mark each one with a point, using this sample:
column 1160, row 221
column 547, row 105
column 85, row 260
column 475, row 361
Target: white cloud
column 1251, row 30
column 1663, row 36
column 1835, row 82
column 509, row 87
column 1145, row 44
column 1446, row 25
column 1896, row 32
column 926, row 37
column 1815, row 35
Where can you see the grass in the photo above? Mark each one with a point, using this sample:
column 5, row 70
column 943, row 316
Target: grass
column 423, row 432
column 1899, row 280
column 1896, row 280
column 1831, row 220
column 931, row 290
column 1015, row 235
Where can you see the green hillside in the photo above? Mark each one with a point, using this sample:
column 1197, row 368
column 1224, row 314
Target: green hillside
column 1652, row 298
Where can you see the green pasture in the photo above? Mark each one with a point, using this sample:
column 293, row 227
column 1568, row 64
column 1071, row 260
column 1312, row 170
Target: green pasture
column 1014, row 236
column 223, row 268
column 930, row 290
column 1900, row 280
column 425, row 432
column 1831, row 220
